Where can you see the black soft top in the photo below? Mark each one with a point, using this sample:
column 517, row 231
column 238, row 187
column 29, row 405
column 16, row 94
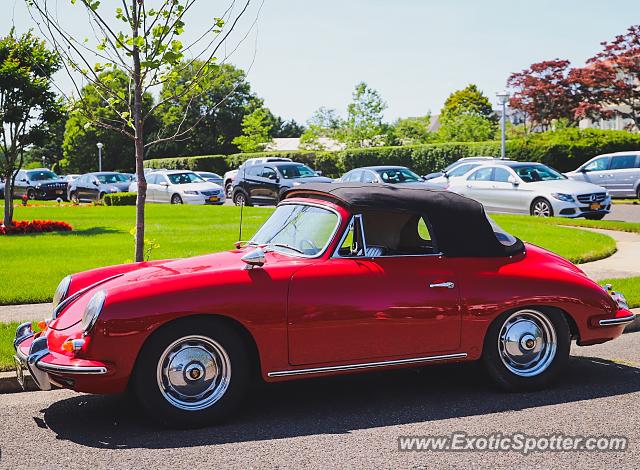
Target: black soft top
column 460, row 225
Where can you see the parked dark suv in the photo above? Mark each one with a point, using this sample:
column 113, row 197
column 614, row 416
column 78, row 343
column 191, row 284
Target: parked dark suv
column 263, row 184
column 39, row 183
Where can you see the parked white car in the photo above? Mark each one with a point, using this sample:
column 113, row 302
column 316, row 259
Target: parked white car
column 532, row 188
column 619, row 173
column 180, row 187
column 455, row 171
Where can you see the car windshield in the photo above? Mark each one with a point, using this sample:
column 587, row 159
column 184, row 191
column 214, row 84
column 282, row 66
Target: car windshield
column 297, row 229
column 184, row 178
column 112, row 178
column 42, row 175
column 533, row 173
column 398, row 175
column 296, row 171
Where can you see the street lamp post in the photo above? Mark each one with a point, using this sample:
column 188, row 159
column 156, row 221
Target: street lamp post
column 503, row 97
column 100, row 145
column 44, row 159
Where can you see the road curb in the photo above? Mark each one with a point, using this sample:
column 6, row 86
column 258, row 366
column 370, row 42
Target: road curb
column 9, row 383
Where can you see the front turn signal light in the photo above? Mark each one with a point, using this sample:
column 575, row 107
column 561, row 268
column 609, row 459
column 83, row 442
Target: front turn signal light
column 72, row 345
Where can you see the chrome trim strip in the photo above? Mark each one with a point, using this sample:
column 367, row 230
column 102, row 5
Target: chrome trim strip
column 617, row 321
column 62, row 305
column 366, row 365
column 89, row 370
column 329, row 240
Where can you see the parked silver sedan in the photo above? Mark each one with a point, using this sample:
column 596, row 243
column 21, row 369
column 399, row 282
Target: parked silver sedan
column 618, row 172
column 532, row 188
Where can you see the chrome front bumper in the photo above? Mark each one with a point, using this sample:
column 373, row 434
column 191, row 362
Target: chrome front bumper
column 38, row 369
column 618, row 320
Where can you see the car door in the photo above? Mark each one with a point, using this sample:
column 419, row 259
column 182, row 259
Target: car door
column 20, row 184
column 508, row 194
column 152, row 188
column 252, row 182
column 597, row 171
column 622, row 176
column 479, row 185
column 92, row 188
column 369, row 308
column 79, row 185
column 164, row 189
column 270, row 186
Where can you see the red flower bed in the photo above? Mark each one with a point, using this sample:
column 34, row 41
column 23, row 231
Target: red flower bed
column 35, row 226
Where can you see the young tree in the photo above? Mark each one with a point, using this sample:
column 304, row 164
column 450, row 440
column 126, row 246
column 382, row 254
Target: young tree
column 255, row 131
column 466, row 128
column 544, row 93
column 27, row 104
column 610, row 82
column 363, row 126
column 412, row 131
column 324, row 124
column 469, row 100
column 142, row 39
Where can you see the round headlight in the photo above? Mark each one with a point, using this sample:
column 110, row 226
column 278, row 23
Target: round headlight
column 92, row 310
column 61, row 291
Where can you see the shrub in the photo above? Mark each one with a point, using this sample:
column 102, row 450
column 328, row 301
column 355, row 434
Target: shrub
column 35, row 226
column 120, row 199
column 564, row 150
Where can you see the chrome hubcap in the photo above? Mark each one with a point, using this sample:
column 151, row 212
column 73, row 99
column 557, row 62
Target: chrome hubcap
column 527, row 343
column 541, row 209
column 194, row 372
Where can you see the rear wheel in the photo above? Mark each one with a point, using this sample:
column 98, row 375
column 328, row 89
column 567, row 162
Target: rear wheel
column 194, row 373
column 526, row 349
column 540, row 207
column 228, row 190
column 176, row 199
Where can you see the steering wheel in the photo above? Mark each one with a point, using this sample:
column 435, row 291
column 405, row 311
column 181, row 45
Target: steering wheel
column 313, row 247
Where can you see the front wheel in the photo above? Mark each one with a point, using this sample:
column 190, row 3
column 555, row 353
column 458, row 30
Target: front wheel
column 192, row 374
column 541, row 208
column 74, row 197
column 31, row 194
column 176, row 199
column 526, row 349
column 240, row 199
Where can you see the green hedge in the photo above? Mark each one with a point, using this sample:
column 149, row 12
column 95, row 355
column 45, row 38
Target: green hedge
column 564, row 150
column 120, row 199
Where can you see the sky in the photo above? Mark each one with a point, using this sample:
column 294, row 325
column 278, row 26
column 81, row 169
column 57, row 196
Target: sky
column 303, row 54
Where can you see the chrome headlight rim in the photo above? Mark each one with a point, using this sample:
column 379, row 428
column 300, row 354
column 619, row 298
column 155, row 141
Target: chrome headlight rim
column 92, row 311
column 61, row 291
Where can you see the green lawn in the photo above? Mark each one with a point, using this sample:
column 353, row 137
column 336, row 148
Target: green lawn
column 101, row 237
column 630, row 287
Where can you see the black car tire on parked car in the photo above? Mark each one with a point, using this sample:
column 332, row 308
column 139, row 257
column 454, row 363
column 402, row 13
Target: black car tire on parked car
column 241, row 199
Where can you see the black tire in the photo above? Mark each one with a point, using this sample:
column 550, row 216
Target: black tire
column 537, row 206
column 240, row 198
column 101, row 196
column 145, row 381
column 31, row 194
column 594, row 216
column 495, row 355
column 176, row 199
column 638, row 192
column 228, row 190
column 73, row 197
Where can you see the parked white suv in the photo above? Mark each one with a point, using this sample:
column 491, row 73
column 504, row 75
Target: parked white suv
column 182, row 187
column 618, row 172
column 532, row 188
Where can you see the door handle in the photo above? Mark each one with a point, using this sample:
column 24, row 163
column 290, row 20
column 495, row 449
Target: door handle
column 448, row 285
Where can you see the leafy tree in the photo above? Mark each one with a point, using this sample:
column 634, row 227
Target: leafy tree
column 51, row 145
column 145, row 44
column 363, row 126
column 290, row 128
column 466, row 128
column 324, row 124
column 82, row 135
column 255, row 131
column 412, row 131
column 544, row 93
column 609, row 82
column 27, row 104
column 469, row 100
column 215, row 110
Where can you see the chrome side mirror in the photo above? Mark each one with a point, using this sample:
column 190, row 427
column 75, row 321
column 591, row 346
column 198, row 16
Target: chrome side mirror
column 254, row 258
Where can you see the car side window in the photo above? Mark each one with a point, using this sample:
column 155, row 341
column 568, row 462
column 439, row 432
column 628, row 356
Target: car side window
column 269, row 173
column 355, row 176
column 623, row 162
column 501, row 175
column 368, row 177
column 598, row 164
column 152, row 179
column 483, row 174
column 254, row 170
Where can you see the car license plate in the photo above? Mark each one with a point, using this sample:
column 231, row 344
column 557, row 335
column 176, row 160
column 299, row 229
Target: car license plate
column 58, row 191
column 213, row 199
column 594, row 206
column 19, row 371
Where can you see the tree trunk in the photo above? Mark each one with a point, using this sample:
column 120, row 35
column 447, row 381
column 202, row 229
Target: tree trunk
column 139, row 144
column 8, row 202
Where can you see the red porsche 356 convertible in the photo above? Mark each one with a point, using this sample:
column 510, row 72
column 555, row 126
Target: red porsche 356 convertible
column 341, row 278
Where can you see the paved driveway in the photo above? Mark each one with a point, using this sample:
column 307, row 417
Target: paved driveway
column 625, row 212
column 343, row 422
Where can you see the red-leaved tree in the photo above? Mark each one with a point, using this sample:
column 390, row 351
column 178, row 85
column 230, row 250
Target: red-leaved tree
column 543, row 92
column 610, row 82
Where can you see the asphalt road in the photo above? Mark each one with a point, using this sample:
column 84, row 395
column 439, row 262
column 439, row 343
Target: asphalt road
column 342, row 422
column 625, row 212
